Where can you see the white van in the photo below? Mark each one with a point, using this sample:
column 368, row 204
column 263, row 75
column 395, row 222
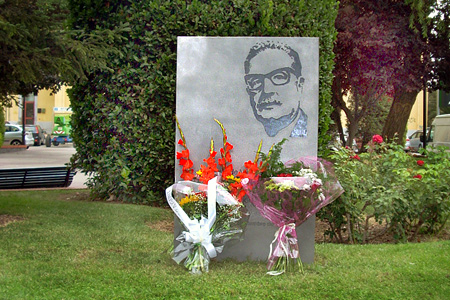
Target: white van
column 439, row 134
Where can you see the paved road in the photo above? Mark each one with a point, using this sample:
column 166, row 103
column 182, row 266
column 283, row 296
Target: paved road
column 41, row 156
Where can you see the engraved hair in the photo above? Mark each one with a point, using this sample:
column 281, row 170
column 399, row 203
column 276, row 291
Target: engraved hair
column 262, row 46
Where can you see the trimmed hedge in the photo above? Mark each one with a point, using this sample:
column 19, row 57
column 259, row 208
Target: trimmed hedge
column 123, row 123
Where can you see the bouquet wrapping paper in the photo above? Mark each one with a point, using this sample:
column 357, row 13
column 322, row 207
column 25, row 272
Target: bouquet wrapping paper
column 288, row 201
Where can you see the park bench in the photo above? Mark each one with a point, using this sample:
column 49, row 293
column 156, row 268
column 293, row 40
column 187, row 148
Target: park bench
column 41, row 177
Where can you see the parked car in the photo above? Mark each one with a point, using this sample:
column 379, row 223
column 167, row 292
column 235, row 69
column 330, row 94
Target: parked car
column 38, row 134
column 439, row 134
column 413, row 142
column 13, row 135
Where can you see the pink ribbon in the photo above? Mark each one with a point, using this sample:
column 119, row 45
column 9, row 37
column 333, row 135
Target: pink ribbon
column 286, row 244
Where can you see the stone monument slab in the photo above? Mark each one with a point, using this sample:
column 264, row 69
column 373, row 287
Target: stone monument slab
column 259, row 88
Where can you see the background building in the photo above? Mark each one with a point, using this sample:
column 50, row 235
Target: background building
column 39, row 109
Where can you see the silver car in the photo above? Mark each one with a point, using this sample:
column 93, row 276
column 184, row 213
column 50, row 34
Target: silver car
column 13, row 136
column 413, row 142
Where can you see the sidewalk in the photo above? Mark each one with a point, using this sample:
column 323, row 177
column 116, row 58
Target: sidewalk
column 41, row 156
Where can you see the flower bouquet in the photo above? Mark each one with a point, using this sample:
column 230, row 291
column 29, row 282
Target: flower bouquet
column 210, row 215
column 208, row 204
column 287, row 195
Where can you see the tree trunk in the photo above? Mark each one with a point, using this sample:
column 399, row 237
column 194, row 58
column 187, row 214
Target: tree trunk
column 398, row 116
column 352, row 130
column 336, row 102
column 336, row 117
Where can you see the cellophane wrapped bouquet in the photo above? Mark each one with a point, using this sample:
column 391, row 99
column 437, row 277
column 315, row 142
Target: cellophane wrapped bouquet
column 208, row 204
column 287, row 194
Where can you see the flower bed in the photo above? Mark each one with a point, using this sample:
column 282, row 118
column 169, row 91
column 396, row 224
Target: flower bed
column 404, row 194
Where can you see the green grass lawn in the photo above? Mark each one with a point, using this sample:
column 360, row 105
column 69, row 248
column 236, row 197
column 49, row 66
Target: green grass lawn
column 67, row 249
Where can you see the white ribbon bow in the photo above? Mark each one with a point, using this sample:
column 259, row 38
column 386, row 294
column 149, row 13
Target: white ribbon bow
column 198, row 231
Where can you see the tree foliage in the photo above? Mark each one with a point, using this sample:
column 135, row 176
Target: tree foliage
column 24, row 54
column 123, row 122
column 429, row 55
column 37, row 51
column 377, row 54
column 438, row 33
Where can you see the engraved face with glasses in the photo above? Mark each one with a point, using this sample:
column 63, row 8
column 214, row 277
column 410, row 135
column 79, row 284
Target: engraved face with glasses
column 274, row 85
column 255, row 82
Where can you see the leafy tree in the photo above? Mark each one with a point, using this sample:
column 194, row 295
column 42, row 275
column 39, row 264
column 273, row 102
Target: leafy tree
column 377, row 54
column 438, row 33
column 37, row 51
column 427, row 62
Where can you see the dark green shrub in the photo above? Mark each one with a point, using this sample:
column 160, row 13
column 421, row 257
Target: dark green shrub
column 123, row 123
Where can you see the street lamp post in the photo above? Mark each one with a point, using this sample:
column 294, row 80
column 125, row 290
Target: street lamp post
column 23, row 120
column 424, row 115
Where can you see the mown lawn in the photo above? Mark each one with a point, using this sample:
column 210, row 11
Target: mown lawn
column 70, row 248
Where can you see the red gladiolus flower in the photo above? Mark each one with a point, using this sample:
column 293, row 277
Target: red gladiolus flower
column 355, row 157
column 228, row 146
column 228, row 157
column 377, row 139
column 188, row 175
column 251, row 166
column 208, row 172
column 420, row 162
column 240, row 195
column 228, row 171
column 183, row 154
column 418, row 176
column 246, row 174
column 186, row 163
column 237, row 190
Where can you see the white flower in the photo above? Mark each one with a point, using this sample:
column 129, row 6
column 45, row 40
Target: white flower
column 317, row 181
column 310, row 176
column 187, row 190
column 321, row 197
column 306, row 187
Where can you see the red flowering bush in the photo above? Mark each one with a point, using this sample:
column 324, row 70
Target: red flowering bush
column 391, row 187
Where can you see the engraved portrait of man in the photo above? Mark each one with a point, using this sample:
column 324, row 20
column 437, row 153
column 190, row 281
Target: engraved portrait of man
column 273, row 77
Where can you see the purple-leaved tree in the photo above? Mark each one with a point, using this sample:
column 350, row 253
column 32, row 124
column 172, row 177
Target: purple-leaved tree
column 377, row 54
